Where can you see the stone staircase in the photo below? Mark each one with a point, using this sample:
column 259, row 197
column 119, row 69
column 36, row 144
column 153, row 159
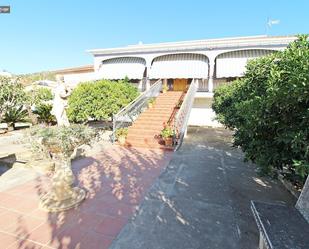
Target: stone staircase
column 146, row 129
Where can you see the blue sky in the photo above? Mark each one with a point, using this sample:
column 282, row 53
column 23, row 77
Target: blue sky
column 53, row 34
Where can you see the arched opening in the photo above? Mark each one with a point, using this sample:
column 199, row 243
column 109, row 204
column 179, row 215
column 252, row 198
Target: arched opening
column 233, row 64
column 121, row 67
column 178, row 69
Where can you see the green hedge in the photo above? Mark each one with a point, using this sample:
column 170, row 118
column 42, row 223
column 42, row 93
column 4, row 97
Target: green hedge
column 269, row 110
column 99, row 100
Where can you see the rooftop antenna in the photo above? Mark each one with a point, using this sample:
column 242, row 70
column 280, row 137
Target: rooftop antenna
column 270, row 22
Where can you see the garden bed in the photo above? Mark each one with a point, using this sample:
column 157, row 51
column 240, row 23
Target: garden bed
column 293, row 187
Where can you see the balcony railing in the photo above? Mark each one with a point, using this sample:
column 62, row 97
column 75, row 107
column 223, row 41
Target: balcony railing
column 126, row 116
column 202, row 86
column 182, row 116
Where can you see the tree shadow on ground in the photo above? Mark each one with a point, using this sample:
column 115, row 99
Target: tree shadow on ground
column 116, row 180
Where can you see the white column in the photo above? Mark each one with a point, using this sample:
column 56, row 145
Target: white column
column 147, row 78
column 140, row 85
column 211, row 75
column 148, row 66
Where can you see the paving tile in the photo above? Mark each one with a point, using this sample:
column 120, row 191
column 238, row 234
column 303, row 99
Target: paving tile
column 3, row 210
column 86, row 221
column 43, row 233
column 4, row 196
column 110, row 226
column 10, row 219
column 72, row 237
column 11, row 202
column 23, row 227
column 94, row 240
column 7, row 240
column 115, row 209
column 27, row 206
column 39, row 214
column 25, row 244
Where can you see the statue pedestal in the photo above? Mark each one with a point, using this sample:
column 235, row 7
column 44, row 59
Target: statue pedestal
column 63, row 195
column 50, row 203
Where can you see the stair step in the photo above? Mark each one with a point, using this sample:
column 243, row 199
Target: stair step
column 148, row 146
column 138, row 132
column 146, row 129
column 147, row 140
column 143, row 137
column 148, row 122
column 161, row 109
column 156, row 113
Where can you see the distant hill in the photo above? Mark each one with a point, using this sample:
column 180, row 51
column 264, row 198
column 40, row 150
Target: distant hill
column 27, row 79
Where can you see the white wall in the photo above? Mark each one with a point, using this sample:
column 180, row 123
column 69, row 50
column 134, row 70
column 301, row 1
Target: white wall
column 202, row 113
column 73, row 79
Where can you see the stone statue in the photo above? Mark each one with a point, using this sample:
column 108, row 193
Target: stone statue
column 60, row 102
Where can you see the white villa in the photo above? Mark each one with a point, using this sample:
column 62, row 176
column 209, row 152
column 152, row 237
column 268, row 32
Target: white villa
column 211, row 62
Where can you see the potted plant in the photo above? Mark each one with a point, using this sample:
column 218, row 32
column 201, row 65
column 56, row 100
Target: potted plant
column 121, row 135
column 165, row 88
column 151, row 102
column 167, row 134
column 59, row 143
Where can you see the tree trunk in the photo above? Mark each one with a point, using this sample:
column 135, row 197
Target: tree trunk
column 32, row 116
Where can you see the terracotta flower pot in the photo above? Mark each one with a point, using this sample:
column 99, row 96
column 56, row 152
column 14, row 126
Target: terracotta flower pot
column 122, row 140
column 168, row 141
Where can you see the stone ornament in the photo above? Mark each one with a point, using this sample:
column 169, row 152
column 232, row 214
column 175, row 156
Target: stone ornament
column 63, row 195
column 61, row 93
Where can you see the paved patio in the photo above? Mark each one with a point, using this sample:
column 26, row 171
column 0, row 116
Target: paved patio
column 202, row 199
column 116, row 181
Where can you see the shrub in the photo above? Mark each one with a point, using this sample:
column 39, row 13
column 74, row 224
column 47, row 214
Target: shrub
column 12, row 101
column 99, row 100
column 40, row 95
column 14, row 115
column 269, row 110
column 40, row 98
column 121, row 132
column 44, row 115
column 151, row 101
column 62, row 140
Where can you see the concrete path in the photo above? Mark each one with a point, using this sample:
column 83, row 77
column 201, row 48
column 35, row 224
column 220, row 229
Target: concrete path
column 202, row 199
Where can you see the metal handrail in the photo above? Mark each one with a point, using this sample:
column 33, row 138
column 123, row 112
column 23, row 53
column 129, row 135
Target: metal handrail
column 182, row 117
column 127, row 115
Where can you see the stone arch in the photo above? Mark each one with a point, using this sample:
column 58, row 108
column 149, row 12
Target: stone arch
column 120, row 67
column 179, row 65
column 233, row 63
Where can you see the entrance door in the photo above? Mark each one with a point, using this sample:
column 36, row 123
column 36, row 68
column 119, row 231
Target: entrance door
column 180, row 84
